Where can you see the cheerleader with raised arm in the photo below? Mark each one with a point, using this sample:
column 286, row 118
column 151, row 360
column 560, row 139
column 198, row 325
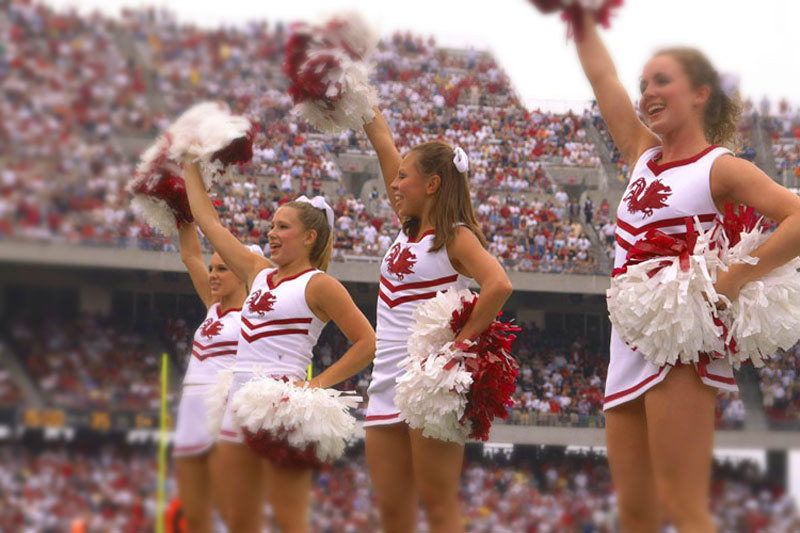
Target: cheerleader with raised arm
column 660, row 417
column 290, row 300
column 440, row 247
column 213, row 351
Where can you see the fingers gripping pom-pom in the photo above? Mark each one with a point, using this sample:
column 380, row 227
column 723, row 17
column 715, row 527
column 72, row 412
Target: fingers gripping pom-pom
column 572, row 12
column 217, row 400
column 294, row 426
column 209, row 134
column 663, row 303
column 454, row 392
column 330, row 75
column 765, row 316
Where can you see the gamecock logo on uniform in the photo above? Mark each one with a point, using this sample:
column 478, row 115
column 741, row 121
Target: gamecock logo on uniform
column 211, row 328
column 646, row 200
column 261, row 303
column 400, row 261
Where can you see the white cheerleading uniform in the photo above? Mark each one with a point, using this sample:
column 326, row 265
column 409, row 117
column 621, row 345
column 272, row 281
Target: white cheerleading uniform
column 661, row 197
column 410, row 274
column 213, row 350
column 278, row 334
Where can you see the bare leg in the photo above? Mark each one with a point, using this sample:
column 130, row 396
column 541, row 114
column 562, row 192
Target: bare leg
column 437, row 471
column 388, row 450
column 680, row 416
column 241, row 487
column 631, row 470
column 194, row 488
column 289, row 493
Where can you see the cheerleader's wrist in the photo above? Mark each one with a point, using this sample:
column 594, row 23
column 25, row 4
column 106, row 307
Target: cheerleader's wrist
column 462, row 345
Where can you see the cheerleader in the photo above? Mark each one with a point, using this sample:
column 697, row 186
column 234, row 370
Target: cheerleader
column 297, row 298
column 660, row 420
column 213, row 350
column 440, row 246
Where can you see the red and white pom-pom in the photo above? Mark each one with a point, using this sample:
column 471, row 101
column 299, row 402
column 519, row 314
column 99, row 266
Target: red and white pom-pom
column 216, row 400
column 330, row 75
column 294, row 426
column 765, row 316
column 572, row 11
column 454, row 392
column 663, row 302
column 206, row 132
column 158, row 189
column 215, row 138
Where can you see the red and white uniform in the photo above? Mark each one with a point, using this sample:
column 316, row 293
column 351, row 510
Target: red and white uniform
column 277, row 336
column 410, row 274
column 661, row 197
column 213, row 349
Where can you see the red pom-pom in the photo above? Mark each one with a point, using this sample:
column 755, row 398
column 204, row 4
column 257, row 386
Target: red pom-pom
column 735, row 222
column 494, row 371
column 572, row 12
column 240, row 150
column 279, row 452
column 311, row 80
column 159, row 180
column 329, row 75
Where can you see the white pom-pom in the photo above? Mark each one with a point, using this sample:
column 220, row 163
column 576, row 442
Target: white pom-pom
column 355, row 106
column 670, row 316
column 307, row 416
column 151, row 169
column 328, row 67
column 156, row 214
column 432, row 391
column 201, row 131
column 432, row 396
column 765, row 316
column 217, row 400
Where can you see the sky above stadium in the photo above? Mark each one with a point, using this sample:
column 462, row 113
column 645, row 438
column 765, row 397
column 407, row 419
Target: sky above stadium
column 758, row 41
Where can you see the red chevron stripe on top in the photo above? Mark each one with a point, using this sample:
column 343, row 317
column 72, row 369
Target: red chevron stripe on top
column 677, row 221
column 282, row 321
column 419, row 284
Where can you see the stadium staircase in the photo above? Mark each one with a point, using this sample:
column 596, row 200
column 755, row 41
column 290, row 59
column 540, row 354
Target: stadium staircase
column 9, row 361
column 750, row 394
column 598, row 250
column 608, row 164
column 138, row 54
column 762, row 143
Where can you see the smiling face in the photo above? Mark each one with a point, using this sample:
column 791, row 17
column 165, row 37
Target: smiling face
column 288, row 239
column 668, row 99
column 221, row 280
column 410, row 189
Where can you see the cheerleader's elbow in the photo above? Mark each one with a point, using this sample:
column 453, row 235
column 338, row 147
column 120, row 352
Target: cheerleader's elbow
column 504, row 288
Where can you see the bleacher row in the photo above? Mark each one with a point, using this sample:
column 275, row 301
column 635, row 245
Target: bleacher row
column 92, row 363
column 112, row 488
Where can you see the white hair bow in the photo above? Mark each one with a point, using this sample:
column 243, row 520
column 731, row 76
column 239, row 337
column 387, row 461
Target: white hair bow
column 320, row 203
column 460, row 159
column 256, row 249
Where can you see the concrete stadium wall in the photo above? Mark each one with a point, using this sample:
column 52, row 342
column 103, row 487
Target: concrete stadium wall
column 26, row 254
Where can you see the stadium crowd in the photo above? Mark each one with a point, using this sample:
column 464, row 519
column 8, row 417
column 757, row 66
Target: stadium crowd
column 10, row 393
column 780, row 388
column 87, row 362
column 86, row 92
column 427, row 92
column 111, row 487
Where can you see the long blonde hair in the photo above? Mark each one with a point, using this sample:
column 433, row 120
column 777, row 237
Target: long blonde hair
column 452, row 204
column 723, row 111
column 315, row 219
